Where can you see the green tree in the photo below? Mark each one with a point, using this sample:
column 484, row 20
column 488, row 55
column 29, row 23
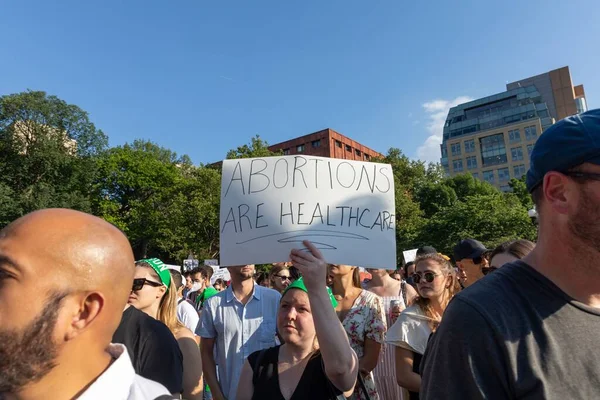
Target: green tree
column 519, row 188
column 138, row 189
column 491, row 218
column 256, row 148
column 433, row 197
column 465, row 185
column 47, row 153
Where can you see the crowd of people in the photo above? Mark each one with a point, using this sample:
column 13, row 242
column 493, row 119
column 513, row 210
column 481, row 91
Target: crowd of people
column 514, row 322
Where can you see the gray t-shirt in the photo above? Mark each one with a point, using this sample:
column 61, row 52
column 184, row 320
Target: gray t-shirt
column 514, row 335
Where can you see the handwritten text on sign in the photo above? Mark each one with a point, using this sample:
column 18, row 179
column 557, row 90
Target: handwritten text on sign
column 270, row 205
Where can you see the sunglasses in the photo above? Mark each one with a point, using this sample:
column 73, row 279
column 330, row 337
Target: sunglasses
column 284, row 278
column 139, row 283
column 427, row 276
column 487, row 270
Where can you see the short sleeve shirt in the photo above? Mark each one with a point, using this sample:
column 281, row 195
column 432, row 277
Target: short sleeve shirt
column 239, row 330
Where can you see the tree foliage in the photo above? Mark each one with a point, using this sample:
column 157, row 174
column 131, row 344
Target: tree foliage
column 169, row 207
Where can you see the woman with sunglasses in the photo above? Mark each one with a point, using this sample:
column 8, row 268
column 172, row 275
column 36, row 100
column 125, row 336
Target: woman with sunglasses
column 363, row 317
column 154, row 293
column 316, row 361
column 280, row 277
column 508, row 252
column 436, row 284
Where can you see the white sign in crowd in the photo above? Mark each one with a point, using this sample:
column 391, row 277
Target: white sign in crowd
column 270, row 205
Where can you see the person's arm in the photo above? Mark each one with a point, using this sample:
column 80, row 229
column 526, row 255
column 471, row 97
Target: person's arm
column 206, row 330
column 370, row 358
column 374, row 336
column 411, row 295
column 340, row 361
column 245, row 387
column 209, row 367
column 465, row 358
column 405, row 377
column 192, row 368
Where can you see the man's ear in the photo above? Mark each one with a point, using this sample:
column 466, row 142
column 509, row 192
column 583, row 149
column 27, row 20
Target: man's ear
column 83, row 310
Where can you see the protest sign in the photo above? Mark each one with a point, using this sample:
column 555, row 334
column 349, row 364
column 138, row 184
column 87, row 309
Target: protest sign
column 221, row 273
column 211, row 262
column 270, row 205
column 410, row 255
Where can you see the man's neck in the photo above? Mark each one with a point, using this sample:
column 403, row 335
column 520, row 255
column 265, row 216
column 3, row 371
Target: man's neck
column 243, row 289
column 66, row 381
column 573, row 268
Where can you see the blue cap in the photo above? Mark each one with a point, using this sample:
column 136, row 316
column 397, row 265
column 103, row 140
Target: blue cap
column 566, row 144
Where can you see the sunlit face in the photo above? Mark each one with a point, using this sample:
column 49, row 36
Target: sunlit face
column 410, row 270
column 472, row 269
column 281, row 280
column 294, row 318
column 217, row 286
column 396, row 276
column 441, row 279
column 241, row 272
column 501, row 259
column 144, row 298
column 188, row 282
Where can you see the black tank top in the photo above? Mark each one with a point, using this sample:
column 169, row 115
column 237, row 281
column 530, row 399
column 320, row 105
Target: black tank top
column 313, row 383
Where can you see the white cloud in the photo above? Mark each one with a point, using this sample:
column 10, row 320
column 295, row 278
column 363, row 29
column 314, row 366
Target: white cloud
column 437, row 111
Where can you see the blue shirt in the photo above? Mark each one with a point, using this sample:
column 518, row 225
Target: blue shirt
column 239, row 330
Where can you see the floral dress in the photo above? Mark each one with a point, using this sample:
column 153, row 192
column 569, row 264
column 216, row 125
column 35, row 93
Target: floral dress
column 365, row 320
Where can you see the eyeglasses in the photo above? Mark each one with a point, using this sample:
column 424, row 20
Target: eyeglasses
column 487, row 270
column 428, row 276
column 583, row 175
column 139, row 283
column 284, row 278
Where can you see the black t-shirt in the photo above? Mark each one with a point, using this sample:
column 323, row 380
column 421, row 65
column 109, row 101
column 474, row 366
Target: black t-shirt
column 514, row 335
column 152, row 348
column 313, row 383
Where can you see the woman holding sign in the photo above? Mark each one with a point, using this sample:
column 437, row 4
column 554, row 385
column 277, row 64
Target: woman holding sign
column 316, row 360
column 362, row 315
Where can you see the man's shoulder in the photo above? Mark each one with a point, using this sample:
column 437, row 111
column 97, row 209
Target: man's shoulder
column 269, row 293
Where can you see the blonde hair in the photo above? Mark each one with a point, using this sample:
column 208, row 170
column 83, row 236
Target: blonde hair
column 167, row 309
column 454, row 287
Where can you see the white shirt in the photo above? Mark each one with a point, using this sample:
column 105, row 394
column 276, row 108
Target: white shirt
column 187, row 315
column 239, row 330
column 411, row 330
column 120, row 382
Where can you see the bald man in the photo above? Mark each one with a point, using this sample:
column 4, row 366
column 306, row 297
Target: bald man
column 58, row 346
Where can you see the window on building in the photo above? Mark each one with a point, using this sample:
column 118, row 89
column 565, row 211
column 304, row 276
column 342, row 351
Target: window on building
column 455, row 149
column 514, row 136
column 503, row 175
column 470, row 146
column 358, row 153
column 338, row 144
column 475, row 175
column 444, row 150
column 488, row 176
column 457, row 165
column 367, row 157
column 530, row 132
column 348, row 148
column 316, row 143
column 493, row 150
column 286, row 152
column 529, row 149
column 471, row 162
column 519, row 171
column 300, row 148
column 516, row 153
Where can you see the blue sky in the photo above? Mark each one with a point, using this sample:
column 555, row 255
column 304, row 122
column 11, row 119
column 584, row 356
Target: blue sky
column 203, row 77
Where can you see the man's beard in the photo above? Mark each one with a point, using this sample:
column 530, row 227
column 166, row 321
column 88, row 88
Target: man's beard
column 27, row 356
column 584, row 224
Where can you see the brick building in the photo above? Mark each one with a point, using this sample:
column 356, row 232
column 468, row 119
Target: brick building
column 326, row 143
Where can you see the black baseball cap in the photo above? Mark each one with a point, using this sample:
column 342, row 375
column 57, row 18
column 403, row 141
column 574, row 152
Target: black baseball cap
column 566, row 144
column 468, row 248
column 426, row 250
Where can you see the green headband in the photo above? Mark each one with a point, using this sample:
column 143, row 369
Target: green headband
column 161, row 269
column 299, row 284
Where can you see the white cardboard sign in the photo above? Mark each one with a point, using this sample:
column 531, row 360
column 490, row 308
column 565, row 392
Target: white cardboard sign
column 222, row 273
column 270, row 205
column 410, row 255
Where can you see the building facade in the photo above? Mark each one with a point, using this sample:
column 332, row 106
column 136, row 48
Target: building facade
column 326, row 143
column 492, row 137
